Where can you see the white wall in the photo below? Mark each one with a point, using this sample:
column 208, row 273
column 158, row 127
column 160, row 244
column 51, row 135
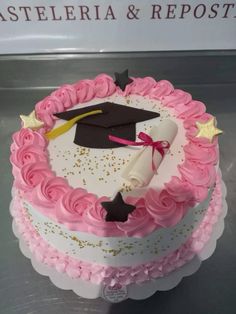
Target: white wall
column 116, row 25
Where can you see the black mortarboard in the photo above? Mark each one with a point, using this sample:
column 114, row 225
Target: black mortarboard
column 116, row 120
column 117, row 209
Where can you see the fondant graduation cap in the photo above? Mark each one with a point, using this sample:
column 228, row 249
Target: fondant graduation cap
column 116, row 120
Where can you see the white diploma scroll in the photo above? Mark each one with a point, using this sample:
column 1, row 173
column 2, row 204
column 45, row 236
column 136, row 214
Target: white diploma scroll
column 139, row 171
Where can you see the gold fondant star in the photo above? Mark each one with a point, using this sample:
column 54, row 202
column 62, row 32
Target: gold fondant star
column 208, row 129
column 31, row 121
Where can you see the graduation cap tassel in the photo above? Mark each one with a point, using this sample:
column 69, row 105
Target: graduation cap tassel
column 68, row 125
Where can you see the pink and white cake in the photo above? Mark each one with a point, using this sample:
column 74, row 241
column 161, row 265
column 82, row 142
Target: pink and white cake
column 124, row 192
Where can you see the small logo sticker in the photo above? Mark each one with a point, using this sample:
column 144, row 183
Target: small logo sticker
column 115, row 293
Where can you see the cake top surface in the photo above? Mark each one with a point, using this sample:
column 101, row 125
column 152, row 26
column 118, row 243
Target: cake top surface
column 119, row 150
column 100, row 170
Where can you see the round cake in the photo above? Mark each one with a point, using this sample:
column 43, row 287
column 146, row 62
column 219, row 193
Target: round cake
column 116, row 180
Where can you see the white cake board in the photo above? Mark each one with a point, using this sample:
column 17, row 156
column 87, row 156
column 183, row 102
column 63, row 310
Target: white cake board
column 88, row 290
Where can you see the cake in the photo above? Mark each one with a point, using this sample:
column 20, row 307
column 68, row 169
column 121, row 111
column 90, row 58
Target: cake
column 116, row 181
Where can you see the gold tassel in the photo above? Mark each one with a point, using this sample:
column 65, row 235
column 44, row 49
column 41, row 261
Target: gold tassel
column 68, row 125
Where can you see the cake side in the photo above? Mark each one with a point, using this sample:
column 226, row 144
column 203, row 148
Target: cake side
column 115, row 251
column 100, row 274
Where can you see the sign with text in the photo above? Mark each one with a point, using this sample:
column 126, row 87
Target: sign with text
column 110, row 25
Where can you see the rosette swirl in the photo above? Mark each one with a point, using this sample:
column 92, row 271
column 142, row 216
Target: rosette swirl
column 196, row 174
column 138, row 220
column 164, row 208
column 162, row 88
column 27, row 136
column 104, row 86
column 73, row 204
column 27, row 154
column 50, row 104
column 67, row 95
column 32, row 174
column 85, row 90
column 94, row 217
column 177, row 98
column 181, row 191
column 191, row 122
column 47, row 107
column 141, row 86
column 193, row 109
column 203, row 155
column 49, row 191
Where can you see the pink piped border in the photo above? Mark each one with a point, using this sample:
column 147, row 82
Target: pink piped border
column 51, row 195
column 96, row 273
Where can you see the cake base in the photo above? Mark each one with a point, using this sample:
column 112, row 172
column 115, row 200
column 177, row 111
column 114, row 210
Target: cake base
column 117, row 292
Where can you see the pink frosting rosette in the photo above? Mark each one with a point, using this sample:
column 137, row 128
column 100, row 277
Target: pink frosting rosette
column 27, row 154
column 85, row 90
column 27, row 136
column 32, row 174
column 200, row 193
column 47, row 107
column 104, row 86
column 73, row 204
column 203, row 155
column 67, row 95
column 94, row 217
column 193, row 109
column 177, row 98
column 181, row 190
column 198, row 175
column 162, row 88
column 163, row 207
column 191, row 122
column 140, row 86
column 139, row 222
column 48, row 191
column 50, row 104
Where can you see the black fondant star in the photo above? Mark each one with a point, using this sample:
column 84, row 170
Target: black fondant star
column 117, row 210
column 122, row 79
